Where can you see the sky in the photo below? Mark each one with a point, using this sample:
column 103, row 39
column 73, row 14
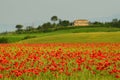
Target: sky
column 33, row 12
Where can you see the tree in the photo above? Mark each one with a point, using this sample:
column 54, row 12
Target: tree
column 46, row 26
column 19, row 27
column 29, row 28
column 115, row 23
column 64, row 23
column 39, row 27
column 115, row 20
column 54, row 19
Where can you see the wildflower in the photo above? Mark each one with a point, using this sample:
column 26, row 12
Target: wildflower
column 1, row 76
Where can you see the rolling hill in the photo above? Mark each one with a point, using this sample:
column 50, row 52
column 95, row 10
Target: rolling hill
column 70, row 35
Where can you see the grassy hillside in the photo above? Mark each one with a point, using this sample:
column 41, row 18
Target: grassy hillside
column 77, row 37
column 72, row 34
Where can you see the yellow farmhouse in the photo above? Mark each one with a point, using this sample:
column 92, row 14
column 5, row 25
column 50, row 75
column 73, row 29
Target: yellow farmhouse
column 81, row 22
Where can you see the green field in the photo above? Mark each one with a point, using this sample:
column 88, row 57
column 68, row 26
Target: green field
column 74, row 34
column 77, row 37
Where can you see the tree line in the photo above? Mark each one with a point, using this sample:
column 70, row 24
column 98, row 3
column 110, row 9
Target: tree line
column 61, row 24
column 45, row 27
column 114, row 23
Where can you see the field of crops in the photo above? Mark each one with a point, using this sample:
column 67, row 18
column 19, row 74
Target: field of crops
column 60, row 61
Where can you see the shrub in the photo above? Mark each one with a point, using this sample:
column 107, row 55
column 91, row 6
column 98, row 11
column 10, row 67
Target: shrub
column 29, row 37
column 3, row 40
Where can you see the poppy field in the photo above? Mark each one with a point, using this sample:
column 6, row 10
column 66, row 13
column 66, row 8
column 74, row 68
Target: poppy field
column 60, row 61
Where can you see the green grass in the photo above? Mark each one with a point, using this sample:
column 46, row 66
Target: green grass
column 72, row 34
column 77, row 37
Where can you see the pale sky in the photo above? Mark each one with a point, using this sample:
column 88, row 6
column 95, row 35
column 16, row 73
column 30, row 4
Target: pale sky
column 39, row 11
